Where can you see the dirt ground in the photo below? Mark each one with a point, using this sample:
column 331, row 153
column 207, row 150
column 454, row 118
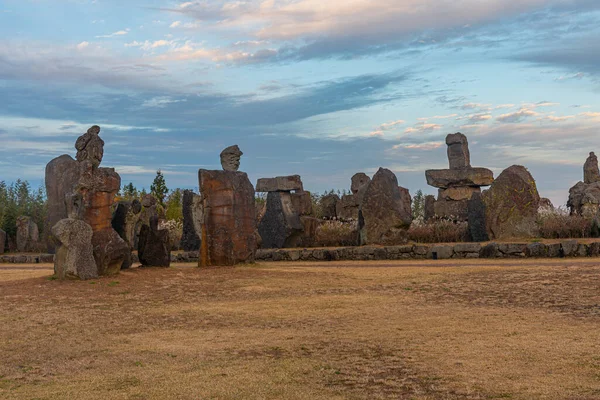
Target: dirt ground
column 346, row 330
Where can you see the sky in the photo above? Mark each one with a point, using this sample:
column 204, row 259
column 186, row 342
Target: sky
column 323, row 89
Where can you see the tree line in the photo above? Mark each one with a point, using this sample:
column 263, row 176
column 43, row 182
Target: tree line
column 20, row 199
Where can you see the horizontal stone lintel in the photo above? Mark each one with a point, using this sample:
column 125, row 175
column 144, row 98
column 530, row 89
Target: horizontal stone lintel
column 280, row 184
column 447, row 178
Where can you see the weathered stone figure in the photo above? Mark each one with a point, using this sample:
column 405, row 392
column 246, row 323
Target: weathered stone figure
column 591, row 174
column 228, row 218
column 584, row 197
column 349, row 204
column 62, row 175
column 476, row 220
column 329, row 206
column 359, row 181
column 429, row 208
column 149, row 210
column 458, row 151
column 281, row 225
column 81, row 190
column 385, row 211
column 511, row 204
column 124, row 222
column 458, row 183
column 90, row 147
column 153, row 247
column 230, row 158
column 27, row 234
column 75, row 255
column 2, row 241
column 190, row 240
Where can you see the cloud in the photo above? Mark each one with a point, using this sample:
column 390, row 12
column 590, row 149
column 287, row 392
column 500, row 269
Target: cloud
column 83, row 45
column 517, row 116
column 161, row 102
column 579, row 54
column 190, row 50
column 559, row 119
column 307, row 29
column 479, row 118
column 423, row 127
column 379, row 131
column 90, row 65
column 148, row 45
column 426, row 146
column 117, row 33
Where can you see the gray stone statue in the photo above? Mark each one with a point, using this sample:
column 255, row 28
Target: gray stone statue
column 90, row 147
column 230, row 158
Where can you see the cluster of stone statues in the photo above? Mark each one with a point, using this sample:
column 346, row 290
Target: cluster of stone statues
column 92, row 236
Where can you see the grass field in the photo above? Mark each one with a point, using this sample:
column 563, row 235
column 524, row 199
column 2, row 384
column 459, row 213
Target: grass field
column 347, row 330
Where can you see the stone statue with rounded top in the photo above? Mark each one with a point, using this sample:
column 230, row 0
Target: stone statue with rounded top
column 230, row 158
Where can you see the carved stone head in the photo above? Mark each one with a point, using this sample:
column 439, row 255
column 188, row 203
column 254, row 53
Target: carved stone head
column 90, row 147
column 230, row 158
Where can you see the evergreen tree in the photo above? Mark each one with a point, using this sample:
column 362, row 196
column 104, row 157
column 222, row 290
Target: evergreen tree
column 129, row 192
column 19, row 199
column 159, row 189
column 418, row 205
column 174, row 208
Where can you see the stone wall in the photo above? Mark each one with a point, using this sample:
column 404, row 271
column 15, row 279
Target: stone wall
column 565, row 248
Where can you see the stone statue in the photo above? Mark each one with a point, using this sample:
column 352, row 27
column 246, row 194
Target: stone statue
column 90, row 146
column 590, row 170
column 230, row 158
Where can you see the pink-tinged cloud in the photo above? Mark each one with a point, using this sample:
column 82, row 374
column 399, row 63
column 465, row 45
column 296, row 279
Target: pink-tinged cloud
column 517, row 116
column 419, row 146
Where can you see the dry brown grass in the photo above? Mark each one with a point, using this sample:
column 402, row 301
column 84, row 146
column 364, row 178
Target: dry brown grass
column 483, row 329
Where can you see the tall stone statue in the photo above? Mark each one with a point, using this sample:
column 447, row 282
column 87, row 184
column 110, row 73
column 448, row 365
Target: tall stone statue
column 458, row 183
column 228, row 217
column 591, row 174
column 230, row 158
column 81, row 190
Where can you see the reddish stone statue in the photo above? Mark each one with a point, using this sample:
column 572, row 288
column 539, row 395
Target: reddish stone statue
column 228, row 218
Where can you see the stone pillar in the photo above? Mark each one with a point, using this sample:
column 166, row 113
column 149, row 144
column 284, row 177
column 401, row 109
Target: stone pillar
column 591, row 174
column 153, row 248
column 228, row 220
column 2, row 241
column 458, row 183
column 27, row 235
column 190, row 240
column 124, row 222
